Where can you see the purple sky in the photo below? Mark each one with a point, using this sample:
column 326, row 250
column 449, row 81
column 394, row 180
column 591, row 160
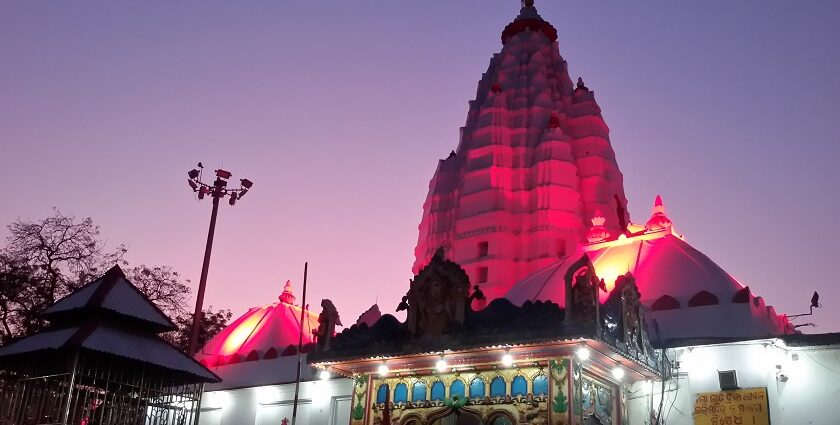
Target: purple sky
column 338, row 111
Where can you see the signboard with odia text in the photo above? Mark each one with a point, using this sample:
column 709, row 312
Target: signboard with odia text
column 738, row 407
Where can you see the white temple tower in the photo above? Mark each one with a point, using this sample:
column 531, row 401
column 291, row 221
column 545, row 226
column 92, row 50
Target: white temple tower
column 533, row 164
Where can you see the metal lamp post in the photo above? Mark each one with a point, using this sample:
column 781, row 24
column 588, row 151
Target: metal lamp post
column 217, row 191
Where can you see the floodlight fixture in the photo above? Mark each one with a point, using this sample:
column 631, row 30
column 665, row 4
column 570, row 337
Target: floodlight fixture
column 217, row 190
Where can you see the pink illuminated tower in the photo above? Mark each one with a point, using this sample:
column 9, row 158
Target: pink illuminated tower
column 534, row 163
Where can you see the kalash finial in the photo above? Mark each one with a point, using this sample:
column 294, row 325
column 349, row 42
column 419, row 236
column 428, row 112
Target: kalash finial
column 597, row 233
column 288, row 296
column 527, row 3
column 658, row 220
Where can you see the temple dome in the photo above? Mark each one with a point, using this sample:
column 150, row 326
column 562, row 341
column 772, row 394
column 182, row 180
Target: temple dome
column 262, row 333
column 678, row 283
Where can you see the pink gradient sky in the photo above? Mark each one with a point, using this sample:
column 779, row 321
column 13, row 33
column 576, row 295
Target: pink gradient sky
column 338, row 111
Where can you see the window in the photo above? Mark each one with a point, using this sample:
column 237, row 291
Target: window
column 438, row 391
column 482, row 275
column 483, row 249
column 561, row 247
column 540, row 385
column 477, row 388
column 418, row 391
column 728, row 379
column 519, row 386
column 400, row 393
column 501, row 420
column 456, row 389
column 498, row 387
column 382, row 394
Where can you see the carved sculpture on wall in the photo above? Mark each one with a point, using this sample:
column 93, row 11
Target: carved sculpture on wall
column 582, row 286
column 437, row 298
column 327, row 321
column 631, row 312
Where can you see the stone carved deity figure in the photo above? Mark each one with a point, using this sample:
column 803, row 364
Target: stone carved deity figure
column 327, row 321
column 584, row 297
column 582, row 288
column 437, row 298
column 631, row 312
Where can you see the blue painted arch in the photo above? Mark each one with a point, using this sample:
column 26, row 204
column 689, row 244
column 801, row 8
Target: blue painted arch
column 498, row 387
column 477, row 387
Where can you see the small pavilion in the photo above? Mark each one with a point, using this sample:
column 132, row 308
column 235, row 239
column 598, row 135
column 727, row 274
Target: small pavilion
column 100, row 361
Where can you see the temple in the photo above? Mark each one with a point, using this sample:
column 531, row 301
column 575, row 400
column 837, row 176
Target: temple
column 534, row 163
column 536, row 299
column 534, row 186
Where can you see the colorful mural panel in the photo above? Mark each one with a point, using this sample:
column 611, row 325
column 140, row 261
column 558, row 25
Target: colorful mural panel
column 525, row 395
column 559, row 393
column 360, row 400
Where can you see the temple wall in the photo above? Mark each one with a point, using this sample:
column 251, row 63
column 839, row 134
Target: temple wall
column 801, row 383
column 320, row 403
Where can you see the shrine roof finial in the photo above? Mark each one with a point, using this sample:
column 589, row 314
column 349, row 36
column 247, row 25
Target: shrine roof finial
column 529, row 19
column 288, row 295
column 658, row 220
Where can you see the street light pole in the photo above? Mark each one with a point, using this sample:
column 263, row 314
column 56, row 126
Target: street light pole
column 217, row 191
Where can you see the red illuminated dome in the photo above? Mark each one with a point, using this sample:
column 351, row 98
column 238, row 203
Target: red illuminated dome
column 533, row 164
column 688, row 294
column 263, row 333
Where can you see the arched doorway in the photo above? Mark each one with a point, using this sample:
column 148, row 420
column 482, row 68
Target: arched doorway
column 464, row 418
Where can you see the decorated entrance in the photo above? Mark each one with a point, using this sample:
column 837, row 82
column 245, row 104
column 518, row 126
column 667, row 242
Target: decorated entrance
column 533, row 364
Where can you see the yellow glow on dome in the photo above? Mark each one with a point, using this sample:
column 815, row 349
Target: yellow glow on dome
column 610, row 268
column 242, row 332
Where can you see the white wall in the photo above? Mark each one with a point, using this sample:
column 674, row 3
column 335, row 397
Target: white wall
column 320, row 403
column 811, row 394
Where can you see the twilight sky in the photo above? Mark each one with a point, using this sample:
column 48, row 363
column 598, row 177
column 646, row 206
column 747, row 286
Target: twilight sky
column 339, row 111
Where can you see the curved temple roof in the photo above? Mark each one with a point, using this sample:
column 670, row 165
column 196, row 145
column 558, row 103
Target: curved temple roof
column 688, row 293
column 262, row 331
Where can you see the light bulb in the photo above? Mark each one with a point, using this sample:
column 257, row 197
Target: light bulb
column 441, row 365
column 618, row 373
column 383, row 370
column 324, row 375
column 507, row 360
column 583, row 354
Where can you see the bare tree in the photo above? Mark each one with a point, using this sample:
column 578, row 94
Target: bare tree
column 47, row 259
column 65, row 251
column 212, row 323
column 163, row 286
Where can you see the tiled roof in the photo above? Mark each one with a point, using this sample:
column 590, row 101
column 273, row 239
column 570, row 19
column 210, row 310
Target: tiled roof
column 114, row 293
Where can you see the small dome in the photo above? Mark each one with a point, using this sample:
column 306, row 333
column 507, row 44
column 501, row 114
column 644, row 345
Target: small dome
column 670, row 274
column 270, row 328
column 664, row 265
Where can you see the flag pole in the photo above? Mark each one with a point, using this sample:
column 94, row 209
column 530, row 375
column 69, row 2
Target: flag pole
column 300, row 343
